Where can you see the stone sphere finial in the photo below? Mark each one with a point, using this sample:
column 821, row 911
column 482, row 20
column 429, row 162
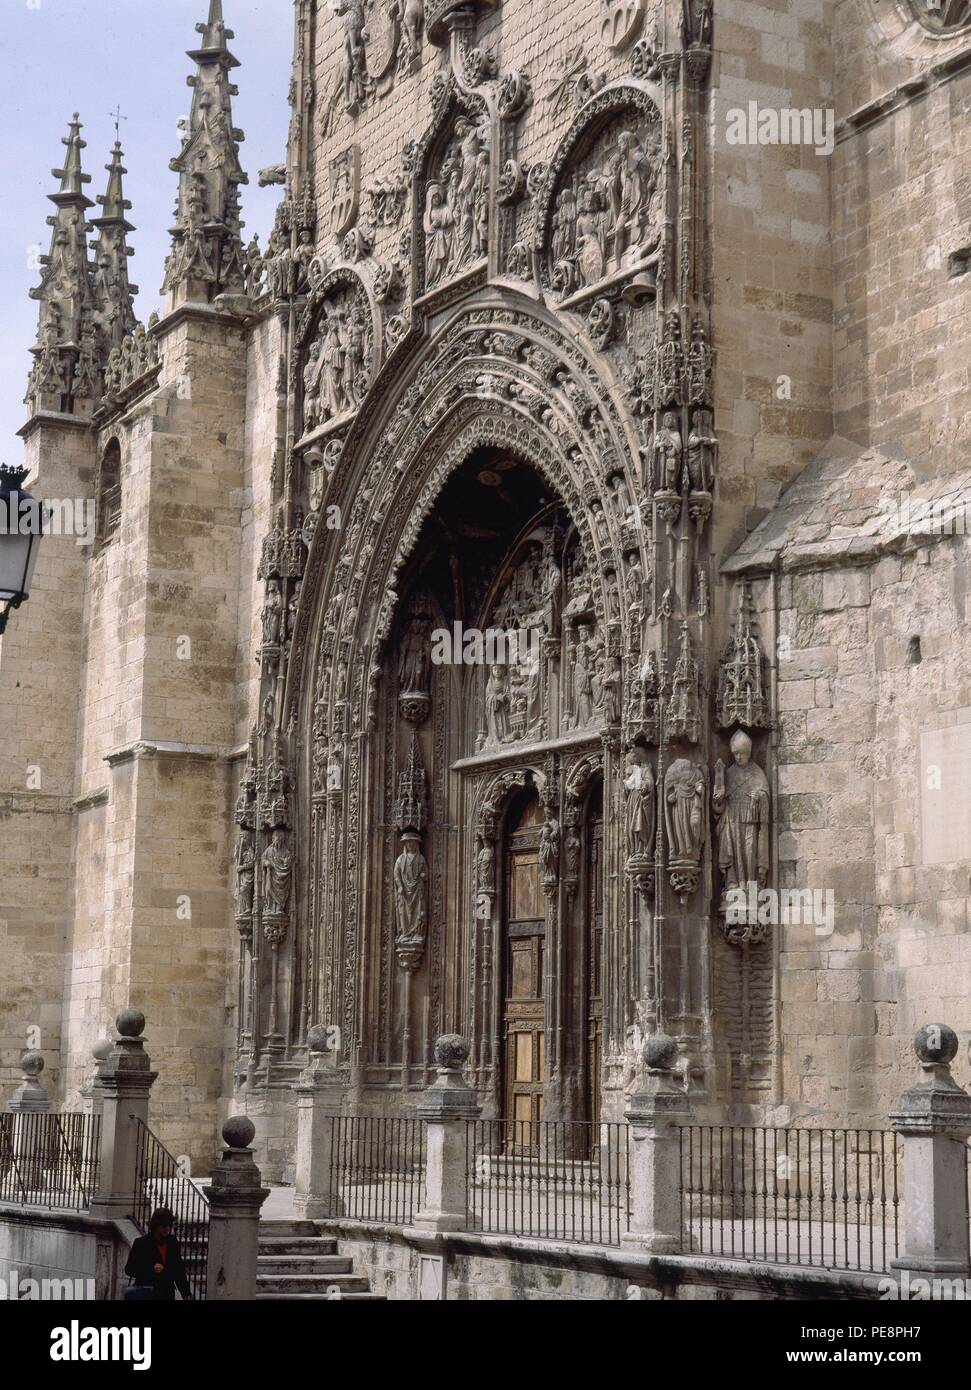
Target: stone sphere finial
column 936, row 1043
column 130, row 1023
column 317, row 1038
column 102, row 1049
column 32, row 1064
column 451, row 1051
column 239, row 1132
column 659, row 1052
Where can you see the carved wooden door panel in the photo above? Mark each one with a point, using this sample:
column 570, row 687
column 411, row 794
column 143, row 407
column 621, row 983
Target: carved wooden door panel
column 524, row 1039
column 594, row 963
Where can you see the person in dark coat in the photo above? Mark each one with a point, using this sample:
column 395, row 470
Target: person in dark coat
column 155, row 1260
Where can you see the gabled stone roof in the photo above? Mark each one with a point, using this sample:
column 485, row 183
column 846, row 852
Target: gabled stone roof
column 850, row 506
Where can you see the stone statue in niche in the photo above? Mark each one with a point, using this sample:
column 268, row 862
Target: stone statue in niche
column 272, row 615
column 702, row 447
column 485, row 868
column 410, row 900
column 456, row 214
column 610, row 690
column 497, row 703
column 685, row 786
column 667, row 454
column 549, row 851
column 277, row 875
column 641, row 817
column 245, row 860
column 571, row 853
column 583, row 671
column 740, row 799
column 606, row 213
column 414, row 669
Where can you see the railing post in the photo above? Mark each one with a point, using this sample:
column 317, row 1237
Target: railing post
column 933, row 1119
column 30, row 1097
column 447, row 1106
column 320, row 1099
column 235, row 1199
column 29, row 1137
column 126, row 1079
column 654, row 1113
column 92, row 1093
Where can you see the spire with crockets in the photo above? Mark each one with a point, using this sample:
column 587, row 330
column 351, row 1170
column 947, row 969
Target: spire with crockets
column 65, row 375
column 207, row 251
column 112, row 290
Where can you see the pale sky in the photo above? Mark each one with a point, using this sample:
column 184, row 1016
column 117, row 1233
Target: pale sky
column 89, row 56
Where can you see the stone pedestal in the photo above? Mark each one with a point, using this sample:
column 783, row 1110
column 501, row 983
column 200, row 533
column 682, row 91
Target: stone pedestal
column 447, row 1106
column 28, row 1140
column 235, row 1198
column 92, row 1093
column 126, row 1079
column 30, row 1097
column 654, row 1112
column 320, row 1099
column 933, row 1119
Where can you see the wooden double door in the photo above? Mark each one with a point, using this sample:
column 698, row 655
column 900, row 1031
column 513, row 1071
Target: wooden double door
column 524, row 968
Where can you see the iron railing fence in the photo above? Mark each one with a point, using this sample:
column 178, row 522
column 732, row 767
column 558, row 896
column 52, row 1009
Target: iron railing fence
column 556, row 1179
column 49, row 1160
column 378, row 1167
column 161, row 1182
column 825, row 1197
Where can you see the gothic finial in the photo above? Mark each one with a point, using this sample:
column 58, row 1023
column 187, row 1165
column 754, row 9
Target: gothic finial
column 214, row 31
column 65, row 375
column 112, row 290
column 72, row 176
column 113, row 202
column 207, row 252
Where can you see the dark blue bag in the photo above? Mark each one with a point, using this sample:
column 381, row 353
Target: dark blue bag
column 139, row 1293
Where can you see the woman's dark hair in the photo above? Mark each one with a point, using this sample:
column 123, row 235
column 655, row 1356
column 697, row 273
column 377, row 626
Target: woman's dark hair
column 161, row 1216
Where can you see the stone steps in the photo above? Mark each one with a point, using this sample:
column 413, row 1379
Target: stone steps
column 305, row 1264
column 315, row 1298
column 319, row 1284
column 298, row 1245
column 297, row 1263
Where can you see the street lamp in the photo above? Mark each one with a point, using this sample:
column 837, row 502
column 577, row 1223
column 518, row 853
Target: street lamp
column 21, row 527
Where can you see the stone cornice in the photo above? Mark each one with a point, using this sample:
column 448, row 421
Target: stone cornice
column 91, row 799
column 196, row 311
column 889, row 103
column 517, row 753
column 151, row 748
column 54, row 419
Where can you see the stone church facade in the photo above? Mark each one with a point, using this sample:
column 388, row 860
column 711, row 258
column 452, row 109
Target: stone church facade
column 510, row 573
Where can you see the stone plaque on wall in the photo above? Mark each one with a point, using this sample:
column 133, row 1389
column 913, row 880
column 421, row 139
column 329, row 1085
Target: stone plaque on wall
column 945, row 792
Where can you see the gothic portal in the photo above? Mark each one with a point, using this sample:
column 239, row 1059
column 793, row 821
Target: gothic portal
column 503, row 618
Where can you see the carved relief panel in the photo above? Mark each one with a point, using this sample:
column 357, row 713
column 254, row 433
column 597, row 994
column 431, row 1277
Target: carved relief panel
column 603, row 218
column 337, row 360
column 456, row 210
